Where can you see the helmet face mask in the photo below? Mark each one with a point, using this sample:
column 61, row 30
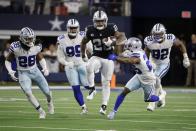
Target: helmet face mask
column 27, row 36
column 158, row 32
column 100, row 20
column 133, row 44
column 73, row 27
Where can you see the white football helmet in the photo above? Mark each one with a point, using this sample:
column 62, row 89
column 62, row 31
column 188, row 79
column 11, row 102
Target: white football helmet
column 100, row 20
column 158, row 32
column 133, row 44
column 27, row 36
column 73, row 27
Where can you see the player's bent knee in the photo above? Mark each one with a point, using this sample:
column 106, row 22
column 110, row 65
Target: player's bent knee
column 106, row 83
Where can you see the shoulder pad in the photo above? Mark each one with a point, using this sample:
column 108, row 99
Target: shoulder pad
column 148, row 40
column 60, row 37
column 113, row 26
column 14, row 45
column 89, row 27
column 82, row 33
column 39, row 46
column 170, row 37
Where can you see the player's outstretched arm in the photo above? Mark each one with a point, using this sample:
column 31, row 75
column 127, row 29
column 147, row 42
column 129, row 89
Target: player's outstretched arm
column 120, row 40
column 131, row 60
column 42, row 62
column 147, row 51
column 179, row 44
column 85, row 40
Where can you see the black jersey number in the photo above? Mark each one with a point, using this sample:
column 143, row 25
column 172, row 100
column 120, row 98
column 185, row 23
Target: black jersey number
column 98, row 46
column 160, row 54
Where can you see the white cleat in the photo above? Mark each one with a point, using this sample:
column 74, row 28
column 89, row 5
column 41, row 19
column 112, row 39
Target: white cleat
column 111, row 115
column 50, row 108
column 42, row 115
column 151, row 106
column 84, row 111
column 103, row 110
column 91, row 95
column 161, row 103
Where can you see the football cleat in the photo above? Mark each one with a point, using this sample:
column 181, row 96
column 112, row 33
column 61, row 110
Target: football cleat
column 151, row 106
column 103, row 110
column 42, row 115
column 161, row 103
column 111, row 115
column 50, row 108
column 92, row 93
column 84, row 111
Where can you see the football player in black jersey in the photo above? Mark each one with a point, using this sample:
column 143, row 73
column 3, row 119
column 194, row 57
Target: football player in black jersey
column 105, row 38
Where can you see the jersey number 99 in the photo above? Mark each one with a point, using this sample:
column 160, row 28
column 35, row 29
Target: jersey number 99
column 73, row 50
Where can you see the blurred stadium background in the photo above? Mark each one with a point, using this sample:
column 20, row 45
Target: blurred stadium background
column 136, row 17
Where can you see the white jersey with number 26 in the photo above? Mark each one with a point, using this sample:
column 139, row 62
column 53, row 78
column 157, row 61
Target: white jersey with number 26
column 144, row 69
column 160, row 52
column 25, row 60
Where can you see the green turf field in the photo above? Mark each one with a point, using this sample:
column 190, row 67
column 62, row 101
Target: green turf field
column 16, row 114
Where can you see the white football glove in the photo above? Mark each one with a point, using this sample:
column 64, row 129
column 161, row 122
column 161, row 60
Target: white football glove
column 186, row 62
column 12, row 74
column 45, row 72
column 107, row 41
column 70, row 65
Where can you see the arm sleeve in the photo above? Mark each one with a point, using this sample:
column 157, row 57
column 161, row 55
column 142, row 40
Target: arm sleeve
column 43, row 63
column 61, row 56
column 8, row 66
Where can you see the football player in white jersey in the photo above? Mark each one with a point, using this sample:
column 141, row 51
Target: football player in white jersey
column 158, row 45
column 68, row 53
column 26, row 53
column 144, row 77
column 100, row 34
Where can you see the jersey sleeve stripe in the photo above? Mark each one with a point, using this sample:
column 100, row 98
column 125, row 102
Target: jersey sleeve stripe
column 137, row 56
column 11, row 50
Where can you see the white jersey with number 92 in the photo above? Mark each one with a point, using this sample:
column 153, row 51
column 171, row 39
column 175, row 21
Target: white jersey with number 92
column 160, row 52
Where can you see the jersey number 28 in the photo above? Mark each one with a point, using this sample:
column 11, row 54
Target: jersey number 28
column 25, row 61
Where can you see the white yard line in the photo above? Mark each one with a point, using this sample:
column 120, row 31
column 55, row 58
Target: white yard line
column 77, row 113
column 189, row 128
column 174, row 90
column 49, row 128
column 122, row 120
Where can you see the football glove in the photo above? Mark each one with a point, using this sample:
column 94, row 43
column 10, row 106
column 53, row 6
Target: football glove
column 12, row 74
column 45, row 72
column 186, row 62
column 107, row 41
column 112, row 57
